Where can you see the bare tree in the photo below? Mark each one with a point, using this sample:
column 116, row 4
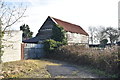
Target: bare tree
column 92, row 31
column 10, row 14
column 99, row 34
column 111, row 33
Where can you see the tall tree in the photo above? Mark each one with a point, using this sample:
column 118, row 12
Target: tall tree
column 26, row 32
column 111, row 33
column 99, row 34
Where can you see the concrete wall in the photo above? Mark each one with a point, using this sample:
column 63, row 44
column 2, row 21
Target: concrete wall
column 12, row 46
column 76, row 38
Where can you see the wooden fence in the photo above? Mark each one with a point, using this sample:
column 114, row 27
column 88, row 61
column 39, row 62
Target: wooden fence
column 33, row 51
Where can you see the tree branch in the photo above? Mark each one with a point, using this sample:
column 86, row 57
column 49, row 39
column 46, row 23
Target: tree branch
column 8, row 25
column 11, row 14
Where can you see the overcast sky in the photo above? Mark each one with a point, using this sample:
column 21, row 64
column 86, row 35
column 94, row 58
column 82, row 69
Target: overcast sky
column 84, row 13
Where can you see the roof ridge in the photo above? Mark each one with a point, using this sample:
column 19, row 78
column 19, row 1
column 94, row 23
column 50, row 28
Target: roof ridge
column 64, row 21
column 74, row 28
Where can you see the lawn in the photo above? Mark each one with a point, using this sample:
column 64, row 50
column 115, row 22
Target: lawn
column 27, row 68
column 38, row 69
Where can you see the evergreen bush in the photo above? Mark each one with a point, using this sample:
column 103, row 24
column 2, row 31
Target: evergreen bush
column 57, row 39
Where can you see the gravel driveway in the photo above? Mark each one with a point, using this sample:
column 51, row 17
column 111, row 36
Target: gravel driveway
column 69, row 71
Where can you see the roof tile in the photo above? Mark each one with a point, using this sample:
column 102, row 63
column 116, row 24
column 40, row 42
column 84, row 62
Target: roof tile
column 70, row 27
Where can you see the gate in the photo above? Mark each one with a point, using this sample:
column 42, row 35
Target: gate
column 33, row 51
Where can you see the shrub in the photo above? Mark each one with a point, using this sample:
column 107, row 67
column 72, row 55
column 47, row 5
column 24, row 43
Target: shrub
column 105, row 60
column 57, row 39
column 50, row 45
column 103, row 43
column 58, row 34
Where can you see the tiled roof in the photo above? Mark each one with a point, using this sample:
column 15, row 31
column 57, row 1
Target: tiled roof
column 70, row 27
column 37, row 39
column 32, row 40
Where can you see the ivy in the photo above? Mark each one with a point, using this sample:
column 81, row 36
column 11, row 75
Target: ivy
column 58, row 34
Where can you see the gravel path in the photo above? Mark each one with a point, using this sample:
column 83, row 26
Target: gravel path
column 69, row 71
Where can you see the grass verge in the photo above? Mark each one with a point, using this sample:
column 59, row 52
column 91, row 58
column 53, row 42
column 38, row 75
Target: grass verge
column 26, row 69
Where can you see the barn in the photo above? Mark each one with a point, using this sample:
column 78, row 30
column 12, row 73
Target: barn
column 75, row 34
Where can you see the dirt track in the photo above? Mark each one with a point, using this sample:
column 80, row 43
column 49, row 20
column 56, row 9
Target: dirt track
column 66, row 70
